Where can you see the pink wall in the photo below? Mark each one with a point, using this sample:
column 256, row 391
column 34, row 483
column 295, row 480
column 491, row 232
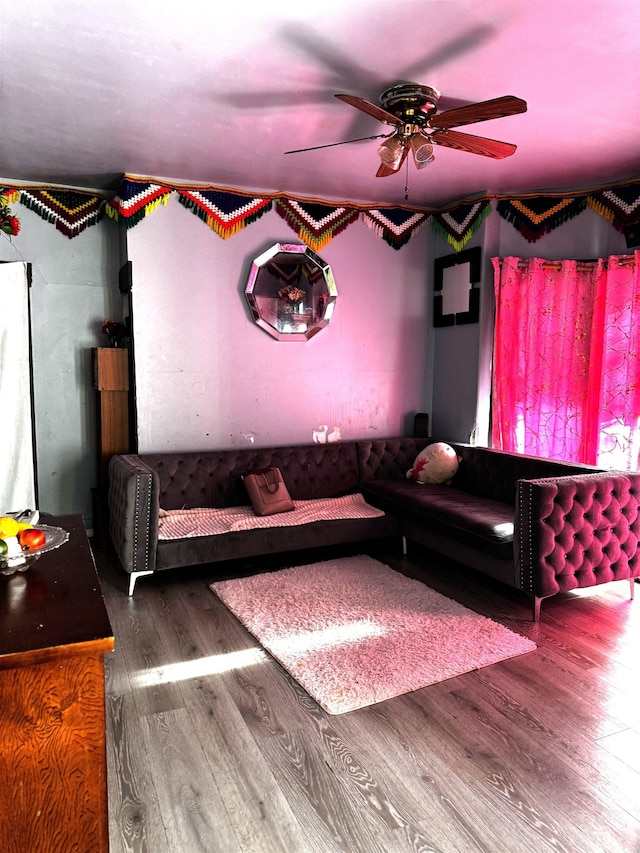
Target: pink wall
column 207, row 377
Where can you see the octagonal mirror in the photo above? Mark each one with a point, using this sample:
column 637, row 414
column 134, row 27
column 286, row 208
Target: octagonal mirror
column 291, row 292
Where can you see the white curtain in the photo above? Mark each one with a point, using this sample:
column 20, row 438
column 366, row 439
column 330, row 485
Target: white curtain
column 17, row 474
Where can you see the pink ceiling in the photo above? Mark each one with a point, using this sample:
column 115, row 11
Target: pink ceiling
column 217, row 92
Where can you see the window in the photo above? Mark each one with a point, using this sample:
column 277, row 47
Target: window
column 566, row 377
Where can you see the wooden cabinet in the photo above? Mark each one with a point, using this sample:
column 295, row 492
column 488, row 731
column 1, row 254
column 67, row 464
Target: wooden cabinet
column 54, row 632
column 111, row 379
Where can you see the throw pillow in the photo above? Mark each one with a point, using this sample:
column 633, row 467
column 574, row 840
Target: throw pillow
column 436, row 464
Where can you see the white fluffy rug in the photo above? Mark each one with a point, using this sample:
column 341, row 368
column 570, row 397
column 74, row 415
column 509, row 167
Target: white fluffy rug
column 354, row 632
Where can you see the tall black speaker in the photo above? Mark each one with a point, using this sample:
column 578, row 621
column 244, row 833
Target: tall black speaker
column 421, row 425
column 632, row 235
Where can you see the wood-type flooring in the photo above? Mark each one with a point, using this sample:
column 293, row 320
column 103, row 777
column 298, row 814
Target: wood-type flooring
column 211, row 746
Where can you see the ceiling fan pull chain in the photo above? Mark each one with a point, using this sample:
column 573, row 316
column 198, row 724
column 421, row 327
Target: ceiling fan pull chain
column 406, row 186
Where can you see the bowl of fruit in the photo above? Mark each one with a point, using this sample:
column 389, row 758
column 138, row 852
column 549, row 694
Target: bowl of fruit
column 23, row 540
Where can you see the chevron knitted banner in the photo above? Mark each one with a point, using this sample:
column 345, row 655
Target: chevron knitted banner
column 395, row 225
column 71, row 212
column 621, row 206
column 536, row 216
column 316, row 224
column 226, row 213
column 459, row 225
column 135, row 200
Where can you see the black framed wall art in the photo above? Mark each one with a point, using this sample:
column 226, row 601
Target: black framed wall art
column 456, row 299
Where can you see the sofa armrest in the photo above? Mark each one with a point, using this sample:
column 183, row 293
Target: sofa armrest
column 576, row 531
column 133, row 512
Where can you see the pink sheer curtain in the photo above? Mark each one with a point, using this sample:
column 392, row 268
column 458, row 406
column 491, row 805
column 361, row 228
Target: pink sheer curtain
column 566, row 374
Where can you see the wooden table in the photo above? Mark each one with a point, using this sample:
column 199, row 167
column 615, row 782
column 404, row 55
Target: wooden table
column 54, row 632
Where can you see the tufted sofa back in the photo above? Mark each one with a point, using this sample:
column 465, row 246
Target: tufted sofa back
column 483, row 472
column 214, row 478
column 387, row 458
column 494, row 473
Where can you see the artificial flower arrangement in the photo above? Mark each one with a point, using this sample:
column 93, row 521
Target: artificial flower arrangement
column 115, row 331
column 291, row 293
column 9, row 224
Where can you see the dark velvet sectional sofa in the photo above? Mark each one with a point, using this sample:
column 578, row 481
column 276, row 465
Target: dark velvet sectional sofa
column 538, row 525
column 139, row 486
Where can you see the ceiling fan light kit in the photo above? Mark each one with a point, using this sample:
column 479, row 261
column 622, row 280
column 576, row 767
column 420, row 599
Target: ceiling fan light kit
column 391, row 152
column 412, row 109
column 422, row 150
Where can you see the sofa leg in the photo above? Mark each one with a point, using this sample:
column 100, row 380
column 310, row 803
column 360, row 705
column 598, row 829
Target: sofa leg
column 633, row 587
column 133, row 577
column 404, row 546
column 536, row 608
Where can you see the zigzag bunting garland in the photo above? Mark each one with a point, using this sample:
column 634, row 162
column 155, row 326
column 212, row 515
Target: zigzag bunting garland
column 135, row 200
column 395, row 225
column 621, row 206
column 226, row 213
column 539, row 215
column 70, row 211
column 459, row 225
column 316, row 224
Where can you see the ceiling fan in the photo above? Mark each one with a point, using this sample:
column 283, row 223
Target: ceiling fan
column 413, row 111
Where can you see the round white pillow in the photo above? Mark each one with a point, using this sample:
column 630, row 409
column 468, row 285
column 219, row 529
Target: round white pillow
column 436, row 464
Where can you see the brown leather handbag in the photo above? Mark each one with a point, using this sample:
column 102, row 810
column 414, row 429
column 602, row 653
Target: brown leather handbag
column 267, row 491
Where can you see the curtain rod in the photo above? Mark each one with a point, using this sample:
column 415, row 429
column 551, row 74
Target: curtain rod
column 582, row 266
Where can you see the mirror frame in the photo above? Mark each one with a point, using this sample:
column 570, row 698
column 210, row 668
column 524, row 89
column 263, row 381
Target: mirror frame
column 472, row 259
column 261, row 261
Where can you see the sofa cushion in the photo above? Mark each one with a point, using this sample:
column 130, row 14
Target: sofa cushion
column 240, row 544
column 481, row 523
column 483, row 471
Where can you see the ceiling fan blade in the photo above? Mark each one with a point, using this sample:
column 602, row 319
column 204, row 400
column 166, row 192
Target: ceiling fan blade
column 384, row 171
column 483, row 111
column 332, row 144
column 370, row 109
column 473, row 144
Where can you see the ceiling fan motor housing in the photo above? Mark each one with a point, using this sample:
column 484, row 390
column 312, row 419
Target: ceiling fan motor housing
column 412, row 103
